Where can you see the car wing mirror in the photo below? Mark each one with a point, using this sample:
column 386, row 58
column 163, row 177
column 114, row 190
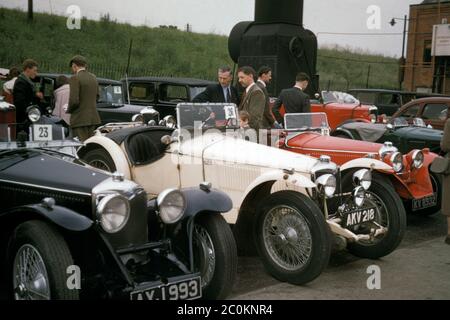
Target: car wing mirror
column 390, row 126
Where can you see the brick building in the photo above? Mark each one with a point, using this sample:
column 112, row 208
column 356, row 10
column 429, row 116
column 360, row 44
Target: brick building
column 423, row 71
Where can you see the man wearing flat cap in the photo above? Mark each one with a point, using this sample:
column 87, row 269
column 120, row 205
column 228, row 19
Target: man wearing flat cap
column 84, row 117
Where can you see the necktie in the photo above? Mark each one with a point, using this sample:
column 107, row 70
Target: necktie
column 228, row 95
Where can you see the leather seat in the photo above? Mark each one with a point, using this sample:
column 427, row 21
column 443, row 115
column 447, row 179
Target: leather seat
column 142, row 149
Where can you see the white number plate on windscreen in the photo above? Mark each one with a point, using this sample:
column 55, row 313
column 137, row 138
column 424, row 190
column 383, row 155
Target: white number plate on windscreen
column 42, row 132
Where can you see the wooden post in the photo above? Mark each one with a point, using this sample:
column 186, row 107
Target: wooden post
column 368, row 77
column 30, row 10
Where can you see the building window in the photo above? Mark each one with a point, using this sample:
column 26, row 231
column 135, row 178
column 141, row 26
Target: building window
column 427, row 51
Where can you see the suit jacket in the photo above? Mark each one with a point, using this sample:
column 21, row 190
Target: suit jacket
column 294, row 101
column 24, row 95
column 214, row 93
column 445, row 146
column 83, row 100
column 268, row 119
column 254, row 103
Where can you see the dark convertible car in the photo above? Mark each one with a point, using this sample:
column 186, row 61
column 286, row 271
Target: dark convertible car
column 70, row 231
column 398, row 131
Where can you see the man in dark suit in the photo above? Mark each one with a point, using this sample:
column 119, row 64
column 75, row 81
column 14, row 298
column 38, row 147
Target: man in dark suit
column 24, row 91
column 293, row 99
column 223, row 92
column 264, row 78
column 84, row 91
column 253, row 101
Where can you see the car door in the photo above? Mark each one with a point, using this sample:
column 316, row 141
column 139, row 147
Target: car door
column 435, row 114
column 169, row 95
column 411, row 112
column 142, row 93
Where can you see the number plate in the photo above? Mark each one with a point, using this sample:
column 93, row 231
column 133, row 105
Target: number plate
column 42, row 132
column 189, row 289
column 427, row 202
column 355, row 218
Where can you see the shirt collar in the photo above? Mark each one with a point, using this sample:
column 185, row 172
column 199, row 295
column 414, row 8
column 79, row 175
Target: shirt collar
column 262, row 82
column 249, row 87
column 81, row 69
column 298, row 87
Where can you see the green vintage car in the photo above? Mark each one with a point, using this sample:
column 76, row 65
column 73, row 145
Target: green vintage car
column 404, row 136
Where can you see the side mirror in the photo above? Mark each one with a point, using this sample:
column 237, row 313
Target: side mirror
column 390, row 126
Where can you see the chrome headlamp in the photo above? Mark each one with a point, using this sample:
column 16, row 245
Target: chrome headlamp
column 359, row 196
column 387, row 147
column 172, row 205
column 418, row 159
column 362, row 178
column 113, row 212
column 34, row 114
column 397, row 161
column 327, row 184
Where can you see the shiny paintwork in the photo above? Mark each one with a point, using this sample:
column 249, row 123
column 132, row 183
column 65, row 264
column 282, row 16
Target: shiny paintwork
column 410, row 184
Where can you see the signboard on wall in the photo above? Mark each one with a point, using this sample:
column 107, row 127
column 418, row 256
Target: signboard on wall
column 441, row 40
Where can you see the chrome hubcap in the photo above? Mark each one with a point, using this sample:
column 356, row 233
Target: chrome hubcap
column 30, row 279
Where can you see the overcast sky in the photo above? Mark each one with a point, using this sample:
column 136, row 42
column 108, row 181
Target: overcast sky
column 219, row 16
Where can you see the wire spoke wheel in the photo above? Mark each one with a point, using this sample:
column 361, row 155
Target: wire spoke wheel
column 287, row 237
column 206, row 255
column 30, row 278
column 99, row 164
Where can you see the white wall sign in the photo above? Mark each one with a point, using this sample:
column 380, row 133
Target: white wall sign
column 441, row 40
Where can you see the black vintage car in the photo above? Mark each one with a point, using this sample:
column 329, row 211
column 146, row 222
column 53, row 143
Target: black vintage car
column 111, row 103
column 70, row 231
column 163, row 93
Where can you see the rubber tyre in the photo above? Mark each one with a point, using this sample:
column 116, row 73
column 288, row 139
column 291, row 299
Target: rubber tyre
column 54, row 252
column 396, row 222
column 437, row 187
column 318, row 228
column 226, row 260
column 99, row 155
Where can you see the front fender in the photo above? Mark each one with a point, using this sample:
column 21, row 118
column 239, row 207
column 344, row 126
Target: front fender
column 199, row 200
column 367, row 163
column 279, row 175
column 60, row 216
column 113, row 149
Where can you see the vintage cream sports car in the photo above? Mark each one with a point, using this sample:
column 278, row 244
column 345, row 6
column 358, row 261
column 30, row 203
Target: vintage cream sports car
column 284, row 204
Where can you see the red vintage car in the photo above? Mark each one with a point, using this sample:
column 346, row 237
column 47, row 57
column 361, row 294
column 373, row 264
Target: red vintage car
column 341, row 108
column 409, row 174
